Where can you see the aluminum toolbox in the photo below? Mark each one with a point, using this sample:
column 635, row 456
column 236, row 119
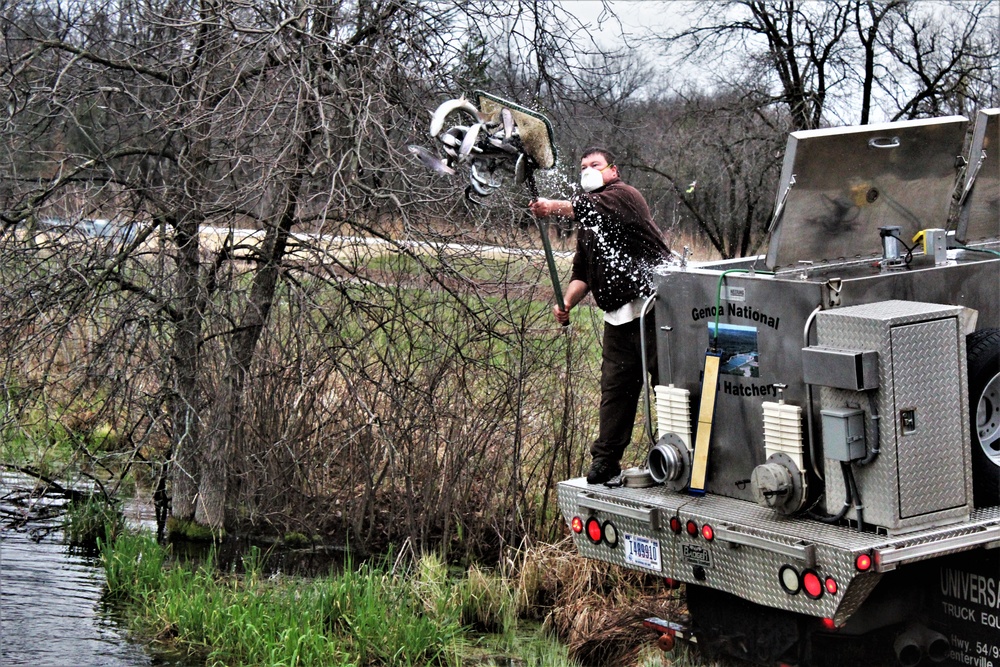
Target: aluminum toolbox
column 923, row 473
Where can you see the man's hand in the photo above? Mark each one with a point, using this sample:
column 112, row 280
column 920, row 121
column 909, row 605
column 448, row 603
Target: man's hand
column 575, row 291
column 543, row 208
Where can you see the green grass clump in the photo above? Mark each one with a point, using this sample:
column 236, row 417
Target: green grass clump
column 367, row 615
column 385, row 614
column 488, row 602
column 133, row 566
column 386, row 623
column 89, row 519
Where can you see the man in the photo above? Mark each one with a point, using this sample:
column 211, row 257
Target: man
column 618, row 247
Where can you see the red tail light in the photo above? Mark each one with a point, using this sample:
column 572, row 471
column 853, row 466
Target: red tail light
column 576, row 524
column 594, row 530
column 692, row 528
column 675, row 524
column 863, row 562
column 812, row 585
column 831, row 585
column 708, row 532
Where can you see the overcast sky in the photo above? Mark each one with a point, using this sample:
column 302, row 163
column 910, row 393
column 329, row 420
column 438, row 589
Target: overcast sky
column 635, row 18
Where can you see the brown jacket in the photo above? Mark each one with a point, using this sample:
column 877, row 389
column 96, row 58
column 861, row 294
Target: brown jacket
column 618, row 245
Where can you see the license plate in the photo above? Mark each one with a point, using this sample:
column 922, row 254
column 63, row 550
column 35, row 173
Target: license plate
column 642, row 551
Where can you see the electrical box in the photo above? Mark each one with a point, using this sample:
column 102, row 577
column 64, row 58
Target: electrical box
column 843, row 434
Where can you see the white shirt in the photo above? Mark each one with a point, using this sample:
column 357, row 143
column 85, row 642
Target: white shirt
column 630, row 311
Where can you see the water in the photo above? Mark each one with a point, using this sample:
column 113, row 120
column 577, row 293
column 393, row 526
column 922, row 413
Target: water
column 50, row 594
column 51, row 612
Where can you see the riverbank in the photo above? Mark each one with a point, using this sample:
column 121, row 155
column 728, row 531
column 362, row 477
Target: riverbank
column 136, row 602
column 545, row 608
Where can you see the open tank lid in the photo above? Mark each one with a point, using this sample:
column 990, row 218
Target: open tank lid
column 979, row 214
column 839, row 185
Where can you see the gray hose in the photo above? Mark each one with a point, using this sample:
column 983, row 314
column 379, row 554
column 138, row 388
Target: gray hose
column 859, row 507
column 645, row 371
column 813, row 458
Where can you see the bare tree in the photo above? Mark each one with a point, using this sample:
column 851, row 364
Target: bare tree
column 943, row 59
column 836, row 60
column 258, row 369
column 707, row 163
column 784, row 65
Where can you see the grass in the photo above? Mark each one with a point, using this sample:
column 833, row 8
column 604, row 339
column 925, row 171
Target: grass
column 368, row 615
column 388, row 613
column 88, row 520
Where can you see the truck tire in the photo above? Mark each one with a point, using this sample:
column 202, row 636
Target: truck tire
column 983, row 357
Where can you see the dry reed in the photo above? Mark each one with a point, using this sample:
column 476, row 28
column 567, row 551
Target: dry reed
column 595, row 608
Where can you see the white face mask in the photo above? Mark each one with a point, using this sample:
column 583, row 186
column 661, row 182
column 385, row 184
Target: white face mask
column 591, row 179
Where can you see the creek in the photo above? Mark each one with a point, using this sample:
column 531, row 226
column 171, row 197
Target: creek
column 51, row 609
column 51, row 613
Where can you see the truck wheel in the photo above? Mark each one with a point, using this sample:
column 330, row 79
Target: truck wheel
column 983, row 356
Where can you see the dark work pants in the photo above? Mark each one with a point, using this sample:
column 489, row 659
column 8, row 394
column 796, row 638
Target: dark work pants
column 622, row 369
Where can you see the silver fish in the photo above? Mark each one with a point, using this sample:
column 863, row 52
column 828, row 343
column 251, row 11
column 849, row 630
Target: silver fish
column 468, row 195
column 502, row 146
column 449, row 139
column 478, row 178
column 521, row 169
column 481, row 189
column 470, row 140
column 431, row 161
column 441, row 113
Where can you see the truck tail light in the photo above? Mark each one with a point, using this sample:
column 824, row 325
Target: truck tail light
column 788, row 577
column 594, row 530
column 708, row 532
column 863, row 562
column 692, row 528
column 610, row 534
column 812, row 585
column 676, row 525
column 576, row 524
column 830, row 584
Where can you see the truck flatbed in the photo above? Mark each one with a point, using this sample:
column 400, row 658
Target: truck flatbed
column 747, row 538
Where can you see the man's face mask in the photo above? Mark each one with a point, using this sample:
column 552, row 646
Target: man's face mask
column 591, row 179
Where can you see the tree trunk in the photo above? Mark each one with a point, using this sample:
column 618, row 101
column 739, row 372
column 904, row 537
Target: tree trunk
column 219, row 442
column 184, row 411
